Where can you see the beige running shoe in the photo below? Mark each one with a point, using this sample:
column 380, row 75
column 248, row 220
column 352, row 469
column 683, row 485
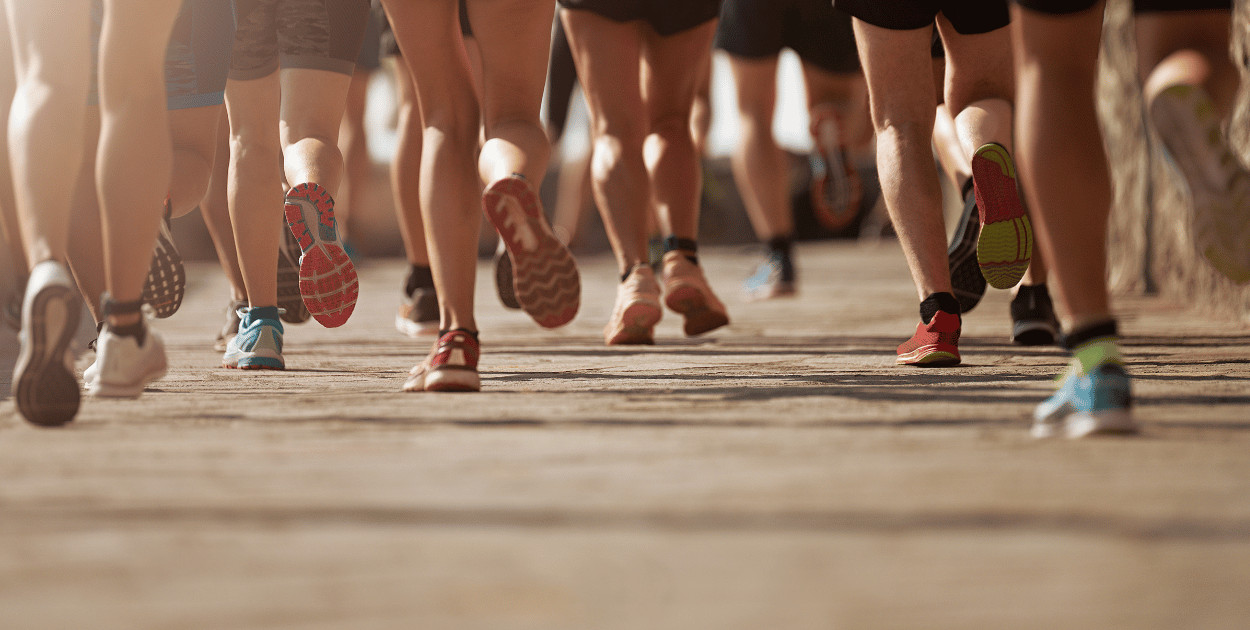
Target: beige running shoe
column 637, row 309
column 687, row 292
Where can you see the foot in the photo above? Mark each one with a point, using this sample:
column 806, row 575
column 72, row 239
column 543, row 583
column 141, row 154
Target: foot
column 544, row 274
column 1005, row 245
column 289, row 298
column 418, row 314
column 258, row 344
column 637, row 309
column 836, row 189
column 327, row 277
column 1033, row 321
column 44, row 385
column 451, row 366
column 166, row 283
column 774, row 278
column 935, row 344
column 1094, row 402
column 231, row 327
column 967, row 282
column 1218, row 184
column 127, row 364
column 686, row 291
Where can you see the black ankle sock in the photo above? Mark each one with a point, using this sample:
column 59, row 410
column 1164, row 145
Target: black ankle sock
column 781, row 245
column 471, row 333
column 136, row 330
column 687, row 246
column 944, row 302
column 263, row 312
column 966, row 189
column 1086, row 333
column 418, row 278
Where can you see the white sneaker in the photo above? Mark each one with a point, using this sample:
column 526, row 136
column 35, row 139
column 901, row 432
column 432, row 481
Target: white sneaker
column 124, row 367
column 44, row 386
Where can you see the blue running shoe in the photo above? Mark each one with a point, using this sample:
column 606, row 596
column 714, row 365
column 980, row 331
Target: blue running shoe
column 773, row 278
column 258, row 346
column 1094, row 402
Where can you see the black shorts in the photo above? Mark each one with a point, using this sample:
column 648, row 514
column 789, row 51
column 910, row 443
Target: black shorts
column 667, row 17
column 819, row 33
column 311, row 34
column 969, row 17
column 1156, row 6
column 370, row 57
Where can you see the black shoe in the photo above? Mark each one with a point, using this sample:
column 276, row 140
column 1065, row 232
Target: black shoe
column 967, row 283
column 166, row 283
column 1033, row 321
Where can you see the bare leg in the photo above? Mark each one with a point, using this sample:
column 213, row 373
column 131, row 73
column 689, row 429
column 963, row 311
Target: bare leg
column 215, row 208
column 607, row 55
column 255, row 184
column 354, row 145
column 1187, row 48
column 759, row 165
column 8, row 207
column 312, row 111
column 194, row 134
column 134, row 136
column 406, row 168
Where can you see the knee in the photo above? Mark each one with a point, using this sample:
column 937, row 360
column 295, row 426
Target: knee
column 611, row 151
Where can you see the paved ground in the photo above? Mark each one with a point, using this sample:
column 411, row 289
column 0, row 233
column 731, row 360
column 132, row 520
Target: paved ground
column 780, row 474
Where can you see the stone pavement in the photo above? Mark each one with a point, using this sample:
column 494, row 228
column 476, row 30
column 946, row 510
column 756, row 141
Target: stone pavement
column 780, row 474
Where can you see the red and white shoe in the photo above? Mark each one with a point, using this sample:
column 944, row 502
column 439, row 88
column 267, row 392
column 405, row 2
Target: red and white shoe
column 451, row 366
column 544, row 274
column 327, row 277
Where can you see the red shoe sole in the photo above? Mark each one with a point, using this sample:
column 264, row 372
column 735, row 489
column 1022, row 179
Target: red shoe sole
column 544, row 274
column 1005, row 244
column 327, row 277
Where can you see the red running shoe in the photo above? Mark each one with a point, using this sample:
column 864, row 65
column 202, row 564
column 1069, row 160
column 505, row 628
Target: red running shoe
column 1005, row 245
column 934, row 344
column 451, row 366
column 544, row 274
column 327, row 277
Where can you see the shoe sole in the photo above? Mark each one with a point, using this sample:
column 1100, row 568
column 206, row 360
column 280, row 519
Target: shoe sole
column 1186, row 121
column 1005, row 244
column 503, row 280
column 415, row 329
column 781, row 290
column 289, row 297
column 967, row 281
column 637, row 326
column 929, row 356
column 166, row 283
column 1033, row 332
column 46, row 393
column 327, row 277
column 1080, row 425
column 453, row 380
column 694, row 306
column 544, row 274
column 109, row 390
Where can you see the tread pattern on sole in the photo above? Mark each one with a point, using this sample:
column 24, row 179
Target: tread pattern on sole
column 166, row 282
column 45, row 390
column 327, row 277
column 1005, row 243
column 545, row 276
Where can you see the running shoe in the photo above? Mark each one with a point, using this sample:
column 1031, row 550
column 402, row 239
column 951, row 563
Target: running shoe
column 686, row 291
column 935, row 344
column 44, row 385
column 544, row 274
column 503, row 278
column 289, row 298
column 774, row 278
column 967, row 283
column 126, row 365
column 1218, row 183
column 418, row 315
column 1094, row 402
column 836, row 189
column 166, row 283
column 258, row 344
column 1033, row 321
column 451, row 366
column 327, row 277
column 231, row 327
column 1005, row 245
column 637, row 309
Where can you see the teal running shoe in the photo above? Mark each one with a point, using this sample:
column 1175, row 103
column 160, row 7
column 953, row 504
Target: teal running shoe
column 258, row 345
column 1094, row 402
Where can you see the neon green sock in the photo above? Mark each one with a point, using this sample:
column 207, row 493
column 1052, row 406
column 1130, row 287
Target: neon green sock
column 1096, row 352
